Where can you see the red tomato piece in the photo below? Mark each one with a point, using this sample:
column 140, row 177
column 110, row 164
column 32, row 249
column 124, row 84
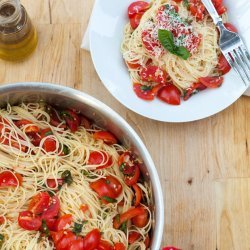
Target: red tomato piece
column 49, row 144
column 92, row 239
column 106, row 136
column 138, row 194
column 55, row 119
column 84, row 121
column 109, row 187
column 130, row 180
column 133, row 236
column 212, row 81
column 170, row 248
column 133, row 64
column 223, row 65
column 39, row 203
column 52, row 183
column 137, row 7
column 135, row 20
column 29, row 129
column 153, row 73
column 53, row 209
column 66, row 241
column 104, row 245
column 63, row 221
column 72, row 119
column 128, row 215
column 9, row 179
column 2, row 220
column 230, row 27
column 51, row 223
column 141, row 220
column 57, row 236
column 77, row 244
column 197, row 9
column 170, row 94
column 190, row 91
column 27, row 221
column 119, row 246
column 100, row 158
column 144, row 92
column 147, row 242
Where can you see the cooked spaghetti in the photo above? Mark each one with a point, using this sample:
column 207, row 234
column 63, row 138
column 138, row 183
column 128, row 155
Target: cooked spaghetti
column 174, row 43
column 64, row 180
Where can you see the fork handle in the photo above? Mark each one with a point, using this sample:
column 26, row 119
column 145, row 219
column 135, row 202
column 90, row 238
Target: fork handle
column 212, row 11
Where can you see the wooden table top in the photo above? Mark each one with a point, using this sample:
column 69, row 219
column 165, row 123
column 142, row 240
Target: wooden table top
column 203, row 165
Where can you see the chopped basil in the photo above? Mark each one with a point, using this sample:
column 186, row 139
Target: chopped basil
column 77, row 229
column 88, row 174
column 123, row 227
column 186, row 4
column 107, row 181
column 67, row 177
column 145, row 88
column 1, row 240
column 48, row 133
column 66, row 115
column 65, row 150
column 166, row 39
column 44, row 228
column 108, row 199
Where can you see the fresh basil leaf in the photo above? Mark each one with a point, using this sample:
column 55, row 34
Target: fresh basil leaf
column 123, row 227
column 77, row 228
column 45, row 228
column 186, row 4
column 67, row 177
column 108, row 199
column 1, row 240
column 145, row 88
column 65, row 150
column 182, row 52
column 166, row 39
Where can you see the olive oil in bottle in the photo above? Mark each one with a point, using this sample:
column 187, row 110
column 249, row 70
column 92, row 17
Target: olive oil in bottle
column 18, row 37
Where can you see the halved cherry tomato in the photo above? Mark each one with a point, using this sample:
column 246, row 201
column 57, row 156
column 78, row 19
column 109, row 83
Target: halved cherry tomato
column 197, row 9
column 55, row 118
column 85, row 209
column 153, row 73
column 29, row 129
column 109, row 187
column 49, row 144
column 130, row 180
column 100, row 158
column 51, row 223
column 84, row 122
column 52, row 183
column 170, row 248
column 135, row 20
column 9, row 179
column 133, row 236
column 106, row 136
column 27, row 221
column 133, row 64
column 57, row 236
column 212, row 81
column 223, row 65
column 66, row 241
column 193, row 89
column 231, row 27
column 119, row 246
column 218, row 4
column 63, row 221
column 92, row 239
column 2, row 220
column 77, row 244
column 143, row 92
column 147, row 242
column 104, row 245
column 170, row 94
column 72, row 119
column 137, row 7
column 53, row 209
column 128, row 215
column 141, row 220
column 138, row 194
column 35, row 138
column 39, row 203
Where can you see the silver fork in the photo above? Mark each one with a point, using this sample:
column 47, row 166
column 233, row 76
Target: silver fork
column 232, row 46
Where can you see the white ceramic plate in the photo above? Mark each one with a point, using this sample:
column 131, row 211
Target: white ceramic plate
column 106, row 31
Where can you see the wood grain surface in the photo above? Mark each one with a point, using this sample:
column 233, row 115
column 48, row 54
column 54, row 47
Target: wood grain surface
column 203, row 165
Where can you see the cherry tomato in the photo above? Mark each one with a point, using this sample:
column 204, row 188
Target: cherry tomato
column 130, row 180
column 2, row 220
column 52, row 183
column 212, row 81
column 109, row 187
column 72, row 119
column 128, row 215
column 27, row 221
column 29, row 129
column 63, row 221
column 55, row 119
column 85, row 209
column 223, row 65
column 231, row 27
column 147, row 242
column 84, row 122
column 193, row 89
column 143, row 92
column 53, row 209
column 104, row 245
column 106, row 136
column 133, row 236
column 197, row 9
column 39, row 203
column 127, row 159
column 141, row 220
column 35, row 138
column 9, row 179
column 51, row 223
column 56, row 236
column 178, row 1
column 153, row 73
column 170, row 94
column 77, row 244
column 151, row 43
column 92, row 239
column 49, row 144
column 100, row 158
column 137, row 7
column 170, row 248
column 135, row 20
column 66, row 241
column 138, row 194
column 133, row 64
column 119, row 246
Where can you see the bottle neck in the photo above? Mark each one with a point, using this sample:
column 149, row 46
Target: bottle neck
column 10, row 12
